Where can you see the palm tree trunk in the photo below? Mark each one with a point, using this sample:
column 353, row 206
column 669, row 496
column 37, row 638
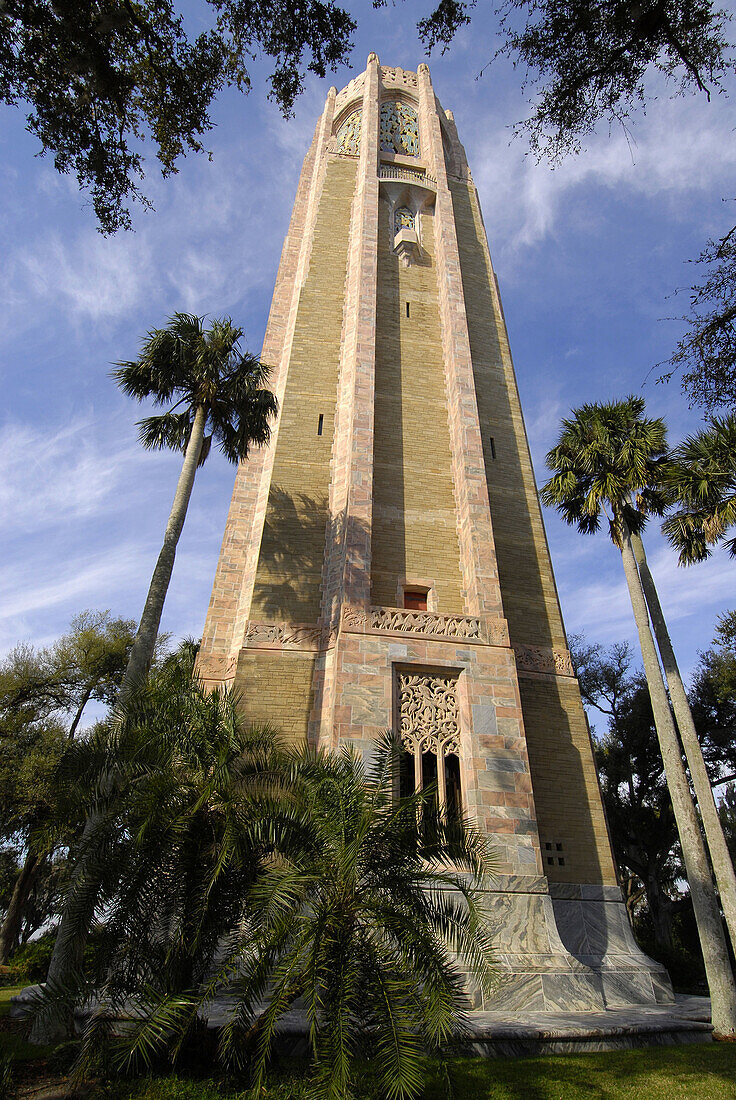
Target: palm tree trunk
column 71, row 937
column 707, row 913
column 10, row 931
column 716, row 841
column 141, row 654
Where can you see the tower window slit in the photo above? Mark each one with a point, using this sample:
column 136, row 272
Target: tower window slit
column 493, row 448
column 407, row 309
column 320, row 423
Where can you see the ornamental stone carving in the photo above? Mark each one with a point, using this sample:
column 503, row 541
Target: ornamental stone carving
column 349, row 91
column 399, row 129
column 355, row 617
column 533, row 658
column 404, row 219
column 348, row 136
column 398, row 76
column 425, row 622
column 428, row 719
column 216, row 668
column 397, row 620
column 282, row 636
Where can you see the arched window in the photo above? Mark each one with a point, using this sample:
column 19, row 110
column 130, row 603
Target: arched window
column 348, row 136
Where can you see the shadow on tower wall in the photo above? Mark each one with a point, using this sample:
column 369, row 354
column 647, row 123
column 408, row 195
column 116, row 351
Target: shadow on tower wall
column 290, row 563
column 299, row 537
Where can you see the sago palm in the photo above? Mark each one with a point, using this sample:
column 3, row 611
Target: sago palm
column 703, row 479
column 611, row 461
column 215, row 392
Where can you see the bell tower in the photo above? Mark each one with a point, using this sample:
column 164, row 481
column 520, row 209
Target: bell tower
column 384, row 560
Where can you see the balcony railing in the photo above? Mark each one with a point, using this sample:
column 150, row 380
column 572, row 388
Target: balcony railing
column 407, row 175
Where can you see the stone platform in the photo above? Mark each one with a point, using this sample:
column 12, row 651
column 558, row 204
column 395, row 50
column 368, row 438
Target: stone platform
column 503, row 1034
column 499, row 1034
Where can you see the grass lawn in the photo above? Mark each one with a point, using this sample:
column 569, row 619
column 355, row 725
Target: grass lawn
column 706, row 1072
column 698, row 1072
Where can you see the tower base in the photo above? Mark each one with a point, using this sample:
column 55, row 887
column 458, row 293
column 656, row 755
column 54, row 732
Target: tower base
column 566, row 948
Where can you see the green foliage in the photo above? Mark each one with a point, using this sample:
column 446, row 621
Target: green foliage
column 102, row 77
column 200, row 368
column 362, row 917
column 6, row 1074
column 707, row 351
column 689, row 1072
column 610, row 460
column 58, row 681
column 43, row 696
column 31, row 961
column 713, row 701
column 223, row 865
column 702, row 477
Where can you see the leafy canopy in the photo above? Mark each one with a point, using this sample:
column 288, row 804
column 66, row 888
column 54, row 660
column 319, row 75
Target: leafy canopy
column 202, row 369
column 707, row 351
column 588, row 62
column 609, row 460
column 99, row 78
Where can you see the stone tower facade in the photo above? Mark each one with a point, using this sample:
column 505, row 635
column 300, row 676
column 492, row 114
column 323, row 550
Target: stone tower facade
column 384, row 561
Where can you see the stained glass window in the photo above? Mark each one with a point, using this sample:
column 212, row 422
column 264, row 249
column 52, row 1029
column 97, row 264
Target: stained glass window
column 399, row 129
column 348, row 136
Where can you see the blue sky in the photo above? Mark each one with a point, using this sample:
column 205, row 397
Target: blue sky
column 587, row 256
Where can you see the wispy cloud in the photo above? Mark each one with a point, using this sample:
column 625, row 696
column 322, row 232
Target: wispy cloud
column 679, row 147
column 217, row 223
column 56, row 476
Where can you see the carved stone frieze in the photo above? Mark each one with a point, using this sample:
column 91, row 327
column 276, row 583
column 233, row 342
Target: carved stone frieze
column 395, row 619
column 425, row 622
column 428, row 718
column 282, row 636
column 535, row 658
column 216, row 668
column 349, row 90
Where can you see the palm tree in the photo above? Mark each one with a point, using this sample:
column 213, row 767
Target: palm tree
column 703, row 478
column 610, row 461
column 321, row 886
column 715, row 838
column 218, row 393
column 215, row 389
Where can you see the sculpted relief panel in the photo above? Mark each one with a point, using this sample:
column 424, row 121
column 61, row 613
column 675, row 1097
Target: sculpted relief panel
column 493, row 632
column 428, row 718
column 536, row 658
